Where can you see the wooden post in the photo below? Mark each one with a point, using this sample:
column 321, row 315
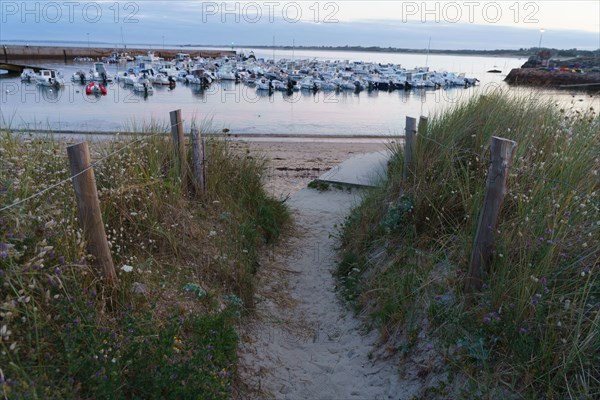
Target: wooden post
column 179, row 144
column 503, row 151
column 90, row 215
column 409, row 145
column 422, row 124
column 198, row 160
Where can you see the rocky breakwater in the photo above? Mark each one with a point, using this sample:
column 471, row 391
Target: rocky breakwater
column 553, row 78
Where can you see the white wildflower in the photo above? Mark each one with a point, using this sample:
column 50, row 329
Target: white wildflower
column 126, row 268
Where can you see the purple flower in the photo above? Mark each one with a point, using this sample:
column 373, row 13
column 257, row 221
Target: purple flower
column 61, row 259
column 522, row 331
column 487, row 319
column 437, row 298
column 3, row 255
column 543, row 280
column 3, row 246
column 538, row 296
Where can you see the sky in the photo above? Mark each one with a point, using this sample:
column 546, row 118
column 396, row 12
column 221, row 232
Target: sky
column 405, row 24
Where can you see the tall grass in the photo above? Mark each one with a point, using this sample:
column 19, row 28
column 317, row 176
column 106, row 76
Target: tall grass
column 185, row 265
column 535, row 326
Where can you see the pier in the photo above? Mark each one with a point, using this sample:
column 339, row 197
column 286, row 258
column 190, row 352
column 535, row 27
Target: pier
column 18, row 68
column 12, row 54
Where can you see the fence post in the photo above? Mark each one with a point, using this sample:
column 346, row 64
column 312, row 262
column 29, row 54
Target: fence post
column 502, row 151
column 199, row 160
column 409, row 145
column 90, row 215
column 423, row 124
column 179, row 144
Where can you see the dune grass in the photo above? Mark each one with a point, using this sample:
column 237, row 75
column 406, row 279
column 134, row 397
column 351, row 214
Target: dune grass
column 534, row 329
column 185, row 264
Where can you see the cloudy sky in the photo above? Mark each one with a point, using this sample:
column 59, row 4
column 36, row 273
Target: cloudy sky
column 405, row 24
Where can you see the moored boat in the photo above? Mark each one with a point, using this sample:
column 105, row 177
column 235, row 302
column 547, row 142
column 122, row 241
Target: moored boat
column 49, row 78
column 95, row 88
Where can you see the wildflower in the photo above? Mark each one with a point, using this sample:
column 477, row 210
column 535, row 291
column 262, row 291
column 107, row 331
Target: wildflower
column 522, row 331
column 212, row 233
column 127, row 268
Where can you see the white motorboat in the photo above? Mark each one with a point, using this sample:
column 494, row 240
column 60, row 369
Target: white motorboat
column 308, row 83
column 28, row 75
column 81, row 77
column 49, row 78
column 160, row 79
column 329, row 86
column 278, row 85
column 143, row 86
column 263, row 84
column 149, row 58
column 347, row 85
column 99, row 73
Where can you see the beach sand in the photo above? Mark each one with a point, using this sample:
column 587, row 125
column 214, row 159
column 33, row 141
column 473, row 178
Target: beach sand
column 302, row 341
column 292, row 165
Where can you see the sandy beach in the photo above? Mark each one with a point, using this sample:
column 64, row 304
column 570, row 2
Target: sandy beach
column 302, row 341
column 292, row 165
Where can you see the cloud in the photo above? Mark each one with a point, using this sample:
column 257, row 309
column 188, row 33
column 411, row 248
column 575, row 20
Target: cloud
column 195, row 23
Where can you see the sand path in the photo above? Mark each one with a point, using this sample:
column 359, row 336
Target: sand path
column 305, row 343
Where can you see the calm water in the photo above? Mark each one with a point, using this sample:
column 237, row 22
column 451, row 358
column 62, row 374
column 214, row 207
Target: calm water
column 240, row 109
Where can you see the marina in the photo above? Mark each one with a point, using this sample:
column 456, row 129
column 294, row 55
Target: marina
column 289, row 92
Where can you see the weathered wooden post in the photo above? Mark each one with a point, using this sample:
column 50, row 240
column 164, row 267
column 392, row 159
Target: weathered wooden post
column 409, row 146
column 423, row 124
column 199, row 160
column 503, row 151
column 90, row 215
column 179, row 145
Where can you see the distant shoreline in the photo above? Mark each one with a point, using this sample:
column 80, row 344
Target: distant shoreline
column 520, row 53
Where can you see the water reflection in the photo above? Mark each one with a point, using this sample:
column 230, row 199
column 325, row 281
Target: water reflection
column 243, row 109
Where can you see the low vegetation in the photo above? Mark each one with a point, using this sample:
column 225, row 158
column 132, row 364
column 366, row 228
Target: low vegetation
column 533, row 331
column 185, row 265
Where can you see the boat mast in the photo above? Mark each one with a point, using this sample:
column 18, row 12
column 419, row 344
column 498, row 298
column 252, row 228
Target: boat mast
column 427, row 57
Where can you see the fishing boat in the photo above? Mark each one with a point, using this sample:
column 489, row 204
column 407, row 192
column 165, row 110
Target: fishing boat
column 95, row 88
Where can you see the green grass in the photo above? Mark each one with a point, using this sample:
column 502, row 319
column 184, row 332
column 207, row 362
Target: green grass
column 534, row 328
column 185, row 264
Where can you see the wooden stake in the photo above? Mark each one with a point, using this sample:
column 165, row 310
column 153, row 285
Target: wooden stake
column 179, row 145
column 422, row 124
column 198, row 160
column 409, row 145
column 503, row 151
column 90, row 215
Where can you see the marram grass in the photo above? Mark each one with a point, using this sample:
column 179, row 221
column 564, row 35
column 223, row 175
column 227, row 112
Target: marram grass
column 185, row 264
column 534, row 329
